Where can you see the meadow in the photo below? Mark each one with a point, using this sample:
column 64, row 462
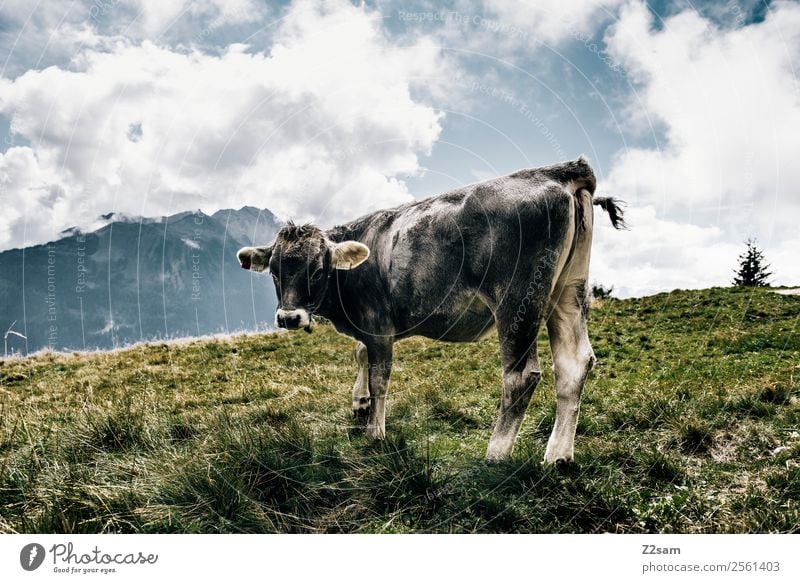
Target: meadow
column 690, row 423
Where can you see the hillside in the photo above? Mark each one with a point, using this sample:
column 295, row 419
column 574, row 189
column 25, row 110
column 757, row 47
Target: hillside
column 690, row 423
column 137, row 279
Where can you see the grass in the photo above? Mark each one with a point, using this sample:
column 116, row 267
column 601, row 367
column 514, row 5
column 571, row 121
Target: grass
column 690, row 423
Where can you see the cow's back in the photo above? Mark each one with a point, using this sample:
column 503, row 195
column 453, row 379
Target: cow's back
column 448, row 261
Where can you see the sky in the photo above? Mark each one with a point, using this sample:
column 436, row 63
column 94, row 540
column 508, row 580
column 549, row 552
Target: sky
column 325, row 110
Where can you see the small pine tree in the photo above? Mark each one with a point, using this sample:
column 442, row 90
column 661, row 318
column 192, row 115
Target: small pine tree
column 752, row 271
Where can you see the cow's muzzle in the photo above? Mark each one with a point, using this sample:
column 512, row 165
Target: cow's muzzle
column 292, row 319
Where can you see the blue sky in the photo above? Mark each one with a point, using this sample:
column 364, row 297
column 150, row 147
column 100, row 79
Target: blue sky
column 324, row 110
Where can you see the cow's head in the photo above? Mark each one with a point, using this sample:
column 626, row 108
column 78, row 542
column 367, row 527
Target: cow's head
column 300, row 261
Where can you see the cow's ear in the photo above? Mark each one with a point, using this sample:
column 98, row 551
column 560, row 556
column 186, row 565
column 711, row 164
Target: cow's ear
column 349, row 254
column 254, row 258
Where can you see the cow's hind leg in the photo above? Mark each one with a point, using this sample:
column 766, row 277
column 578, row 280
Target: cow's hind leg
column 517, row 332
column 573, row 358
column 361, row 387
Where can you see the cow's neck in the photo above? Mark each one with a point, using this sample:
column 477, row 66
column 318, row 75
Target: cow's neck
column 336, row 305
column 351, row 231
column 354, row 300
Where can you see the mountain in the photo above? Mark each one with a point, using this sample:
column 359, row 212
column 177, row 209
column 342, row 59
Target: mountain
column 137, row 279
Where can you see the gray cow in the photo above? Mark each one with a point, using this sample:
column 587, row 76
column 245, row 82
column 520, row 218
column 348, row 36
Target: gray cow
column 504, row 254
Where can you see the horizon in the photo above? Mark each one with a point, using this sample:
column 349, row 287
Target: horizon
column 232, row 335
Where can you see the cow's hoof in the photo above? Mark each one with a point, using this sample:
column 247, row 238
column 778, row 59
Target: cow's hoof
column 494, row 460
column 499, row 449
column 563, row 464
column 361, row 410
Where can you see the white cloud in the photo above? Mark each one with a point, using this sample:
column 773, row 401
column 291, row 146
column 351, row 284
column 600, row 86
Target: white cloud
column 658, row 255
column 32, row 199
column 552, row 21
column 163, row 18
column 318, row 129
column 38, row 34
column 509, row 30
column 192, row 244
column 156, row 15
column 783, row 261
column 728, row 102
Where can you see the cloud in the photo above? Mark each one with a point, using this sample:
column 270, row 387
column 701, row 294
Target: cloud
column 35, row 35
column 512, row 31
column 39, row 34
column 553, row 21
column 727, row 102
column 191, row 243
column 184, row 19
column 658, row 255
column 321, row 127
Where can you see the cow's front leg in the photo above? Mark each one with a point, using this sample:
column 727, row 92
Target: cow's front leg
column 361, row 387
column 379, row 354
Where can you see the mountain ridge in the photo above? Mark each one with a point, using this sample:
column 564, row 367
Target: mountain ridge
column 137, row 279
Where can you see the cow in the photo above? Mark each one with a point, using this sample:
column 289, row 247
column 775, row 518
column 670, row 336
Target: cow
column 506, row 254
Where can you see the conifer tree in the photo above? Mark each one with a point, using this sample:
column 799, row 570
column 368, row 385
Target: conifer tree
column 752, row 270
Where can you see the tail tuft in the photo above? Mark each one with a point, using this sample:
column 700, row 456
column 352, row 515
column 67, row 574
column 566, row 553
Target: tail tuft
column 613, row 207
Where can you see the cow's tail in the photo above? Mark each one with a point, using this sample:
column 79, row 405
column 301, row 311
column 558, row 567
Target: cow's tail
column 613, row 207
column 582, row 178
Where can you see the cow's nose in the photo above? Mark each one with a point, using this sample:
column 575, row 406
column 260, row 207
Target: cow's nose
column 291, row 319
